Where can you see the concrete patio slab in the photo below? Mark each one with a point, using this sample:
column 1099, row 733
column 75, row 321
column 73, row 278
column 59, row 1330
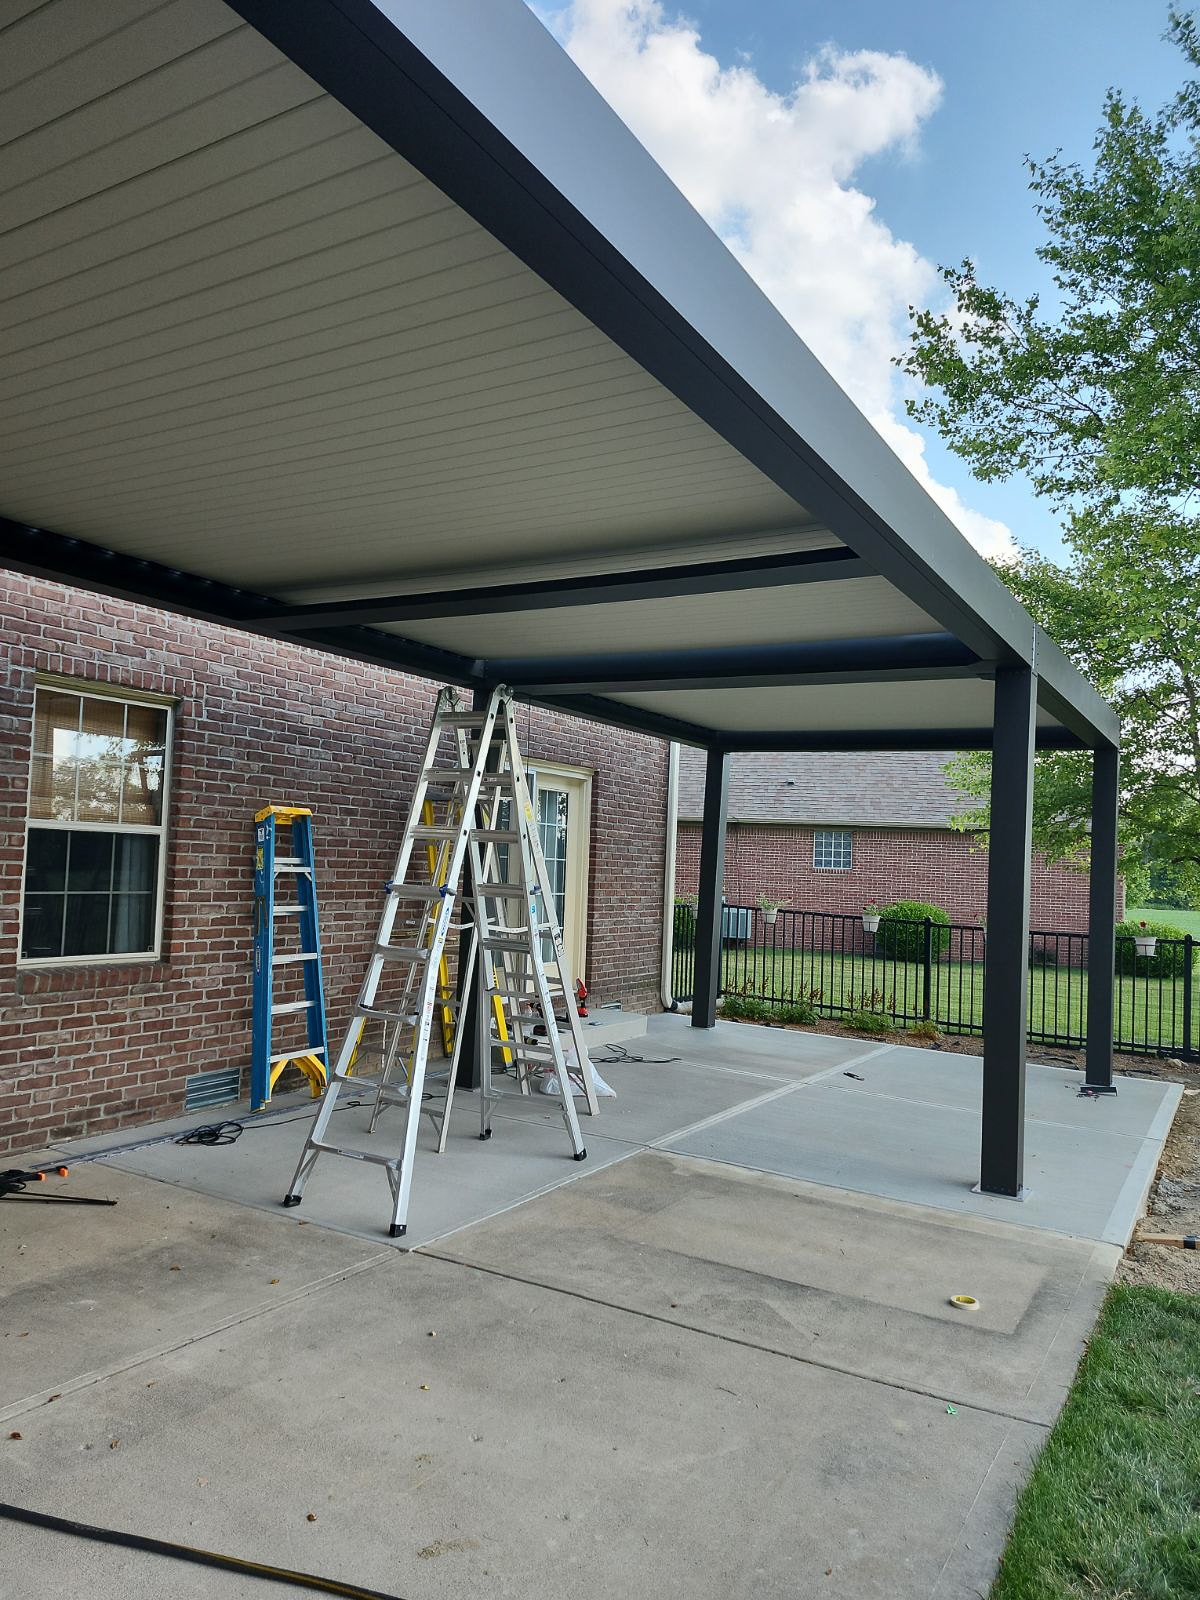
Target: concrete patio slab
column 849, row 1281
column 557, row 1449
column 85, row 1291
column 910, row 1131
column 470, row 1181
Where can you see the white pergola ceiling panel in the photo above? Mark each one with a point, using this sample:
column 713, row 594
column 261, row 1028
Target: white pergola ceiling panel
column 836, row 708
column 236, row 322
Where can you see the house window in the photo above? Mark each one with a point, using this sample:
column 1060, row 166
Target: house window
column 832, row 850
column 94, row 849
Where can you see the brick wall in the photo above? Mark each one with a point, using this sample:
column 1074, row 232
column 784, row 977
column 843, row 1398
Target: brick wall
column 934, row 865
column 92, row 1047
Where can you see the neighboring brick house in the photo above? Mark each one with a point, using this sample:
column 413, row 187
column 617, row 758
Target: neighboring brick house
column 134, row 705
column 831, row 832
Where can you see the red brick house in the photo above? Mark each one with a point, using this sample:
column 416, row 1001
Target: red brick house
column 135, row 748
column 832, row 832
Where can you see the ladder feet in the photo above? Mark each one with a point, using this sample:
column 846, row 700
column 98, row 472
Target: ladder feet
column 486, row 1134
column 292, row 1199
column 580, row 1155
column 397, row 1230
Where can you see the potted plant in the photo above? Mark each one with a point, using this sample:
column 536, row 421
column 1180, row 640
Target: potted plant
column 870, row 917
column 1146, row 943
column 770, row 909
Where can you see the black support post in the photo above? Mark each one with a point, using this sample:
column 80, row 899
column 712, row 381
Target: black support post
column 712, row 882
column 1102, row 913
column 1006, row 984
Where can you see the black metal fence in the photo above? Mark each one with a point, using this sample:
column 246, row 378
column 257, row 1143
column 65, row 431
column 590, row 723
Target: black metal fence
column 908, row 973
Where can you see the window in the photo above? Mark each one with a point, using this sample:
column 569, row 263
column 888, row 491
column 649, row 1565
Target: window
column 94, row 852
column 563, row 802
column 832, row 850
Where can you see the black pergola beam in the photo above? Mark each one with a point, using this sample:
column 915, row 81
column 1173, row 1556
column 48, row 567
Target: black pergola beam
column 604, row 588
column 850, row 739
column 870, row 660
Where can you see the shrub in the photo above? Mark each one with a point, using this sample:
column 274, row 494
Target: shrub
column 925, row 1029
column 869, row 1022
column 751, row 1008
column 685, row 925
column 1168, row 958
column 902, row 930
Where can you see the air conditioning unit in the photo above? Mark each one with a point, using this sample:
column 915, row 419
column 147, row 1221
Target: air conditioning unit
column 736, row 922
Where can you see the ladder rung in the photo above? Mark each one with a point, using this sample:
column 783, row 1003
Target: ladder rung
column 419, row 891
column 355, row 1155
column 519, row 946
column 412, row 954
column 495, row 836
column 291, row 1005
column 291, row 861
column 500, row 891
column 300, row 1050
column 407, row 1017
column 307, row 955
column 465, row 719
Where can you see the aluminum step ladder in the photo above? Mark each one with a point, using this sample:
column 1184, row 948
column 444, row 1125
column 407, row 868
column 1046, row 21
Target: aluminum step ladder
column 286, row 937
column 471, row 766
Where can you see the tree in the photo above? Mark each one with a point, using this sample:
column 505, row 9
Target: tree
column 1097, row 403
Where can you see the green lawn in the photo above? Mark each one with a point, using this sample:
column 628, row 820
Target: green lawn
column 1112, row 1510
column 1185, row 921
column 1146, row 1012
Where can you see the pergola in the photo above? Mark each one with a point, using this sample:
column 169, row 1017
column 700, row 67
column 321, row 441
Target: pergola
column 369, row 325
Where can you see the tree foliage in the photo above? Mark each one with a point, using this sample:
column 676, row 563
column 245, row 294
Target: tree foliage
column 1096, row 401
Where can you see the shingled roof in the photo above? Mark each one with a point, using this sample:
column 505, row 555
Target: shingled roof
column 883, row 790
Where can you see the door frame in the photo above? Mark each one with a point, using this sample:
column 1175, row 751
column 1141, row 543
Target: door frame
column 576, row 782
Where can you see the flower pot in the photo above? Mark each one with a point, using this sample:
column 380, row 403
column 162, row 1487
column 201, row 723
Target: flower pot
column 1146, row 943
column 770, row 918
column 870, row 921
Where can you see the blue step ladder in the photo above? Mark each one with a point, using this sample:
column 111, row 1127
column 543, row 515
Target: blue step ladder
column 286, row 936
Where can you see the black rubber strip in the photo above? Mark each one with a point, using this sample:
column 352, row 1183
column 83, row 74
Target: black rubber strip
column 186, row 1552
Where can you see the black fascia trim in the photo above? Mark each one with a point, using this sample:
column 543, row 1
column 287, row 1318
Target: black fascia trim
column 886, row 739
column 363, row 59
column 606, row 588
column 40, row 553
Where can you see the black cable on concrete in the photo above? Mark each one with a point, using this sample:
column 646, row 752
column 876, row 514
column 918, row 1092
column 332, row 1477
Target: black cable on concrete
column 620, row 1056
column 187, row 1552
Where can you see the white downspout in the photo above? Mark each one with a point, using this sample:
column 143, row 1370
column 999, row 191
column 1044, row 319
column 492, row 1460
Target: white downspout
column 668, row 928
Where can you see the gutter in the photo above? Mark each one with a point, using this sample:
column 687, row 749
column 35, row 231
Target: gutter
column 668, row 926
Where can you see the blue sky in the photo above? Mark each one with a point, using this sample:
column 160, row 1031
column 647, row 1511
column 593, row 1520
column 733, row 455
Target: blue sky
column 907, row 141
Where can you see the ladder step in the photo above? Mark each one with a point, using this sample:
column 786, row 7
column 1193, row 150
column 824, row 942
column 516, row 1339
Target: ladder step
column 465, row 719
column 307, row 955
column 297, row 868
column 518, row 946
column 300, row 1050
column 437, row 830
column 291, row 1005
column 413, row 955
column 356, row 1155
column 384, row 1015
column 285, row 911
column 495, row 835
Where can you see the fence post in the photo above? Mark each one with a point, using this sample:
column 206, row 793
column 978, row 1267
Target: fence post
column 1188, row 947
column 927, row 969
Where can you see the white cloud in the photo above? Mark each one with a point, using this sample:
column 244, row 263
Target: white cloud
column 773, row 174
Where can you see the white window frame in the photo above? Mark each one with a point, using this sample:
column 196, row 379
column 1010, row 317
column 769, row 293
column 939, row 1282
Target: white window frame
column 834, row 835
column 99, row 691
